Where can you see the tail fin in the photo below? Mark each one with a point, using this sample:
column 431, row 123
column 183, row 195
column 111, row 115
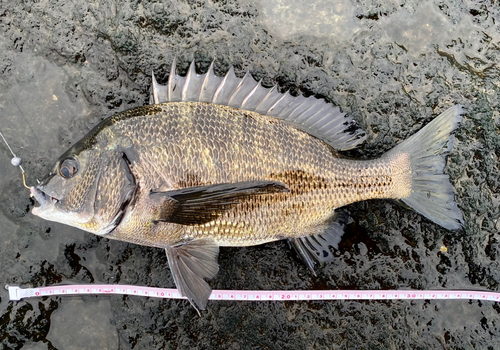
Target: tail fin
column 431, row 192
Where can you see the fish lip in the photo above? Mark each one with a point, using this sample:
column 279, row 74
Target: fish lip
column 46, row 201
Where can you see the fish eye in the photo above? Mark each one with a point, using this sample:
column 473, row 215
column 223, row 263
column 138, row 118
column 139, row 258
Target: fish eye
column 68, row 168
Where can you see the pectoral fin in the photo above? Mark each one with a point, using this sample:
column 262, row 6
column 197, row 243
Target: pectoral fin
column 315, row 248
column 201, row 204
column 190, row 263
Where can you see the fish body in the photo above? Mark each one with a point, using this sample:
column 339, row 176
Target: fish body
column 190, row 173
column 190, row 144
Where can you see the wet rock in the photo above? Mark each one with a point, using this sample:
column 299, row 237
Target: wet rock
column 64, row 67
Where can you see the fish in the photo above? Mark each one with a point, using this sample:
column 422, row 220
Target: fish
column 216, row 161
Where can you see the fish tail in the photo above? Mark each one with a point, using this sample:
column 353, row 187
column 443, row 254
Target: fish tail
column 431, row 192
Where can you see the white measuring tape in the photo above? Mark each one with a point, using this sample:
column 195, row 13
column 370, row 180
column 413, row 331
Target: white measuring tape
column 17, row 293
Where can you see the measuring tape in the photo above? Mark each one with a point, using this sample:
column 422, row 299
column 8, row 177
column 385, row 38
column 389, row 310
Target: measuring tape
column 17, row 293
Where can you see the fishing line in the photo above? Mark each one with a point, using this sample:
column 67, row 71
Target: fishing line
column 16, row 161
column 26, row 120
column 17, row 293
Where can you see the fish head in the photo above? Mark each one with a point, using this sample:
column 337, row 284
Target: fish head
column 88, row 187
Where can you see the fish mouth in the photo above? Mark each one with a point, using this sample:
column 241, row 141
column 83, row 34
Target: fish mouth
column 46, row 201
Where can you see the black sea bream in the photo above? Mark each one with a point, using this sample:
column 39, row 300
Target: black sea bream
column 226, row 162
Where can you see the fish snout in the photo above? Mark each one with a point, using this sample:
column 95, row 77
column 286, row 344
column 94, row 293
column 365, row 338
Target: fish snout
column 43, row 199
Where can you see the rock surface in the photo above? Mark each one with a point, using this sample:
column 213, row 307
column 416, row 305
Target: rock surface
column 64, row 66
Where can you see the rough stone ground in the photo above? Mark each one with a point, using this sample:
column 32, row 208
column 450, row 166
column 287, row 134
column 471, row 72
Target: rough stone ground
column 394, row 65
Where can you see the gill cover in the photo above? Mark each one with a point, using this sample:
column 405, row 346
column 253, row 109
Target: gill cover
column 115, row 190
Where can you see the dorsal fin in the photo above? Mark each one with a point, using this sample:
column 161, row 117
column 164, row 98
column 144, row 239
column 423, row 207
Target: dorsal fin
column 308, row 114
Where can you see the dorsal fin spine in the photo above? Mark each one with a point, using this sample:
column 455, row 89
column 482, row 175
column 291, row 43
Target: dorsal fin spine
column 191, row 72
column 207, row 76
column 154, row 90
column 277, row 102
column 173, row 74
column 224, row 82
column 235, row 91
column 251, row 93
column 270, row 91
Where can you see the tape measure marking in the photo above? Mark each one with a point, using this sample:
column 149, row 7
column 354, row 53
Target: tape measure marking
column 17, row 293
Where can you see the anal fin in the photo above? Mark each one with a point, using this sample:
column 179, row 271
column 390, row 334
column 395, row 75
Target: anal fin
column 315, row 248
column 190, row 264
